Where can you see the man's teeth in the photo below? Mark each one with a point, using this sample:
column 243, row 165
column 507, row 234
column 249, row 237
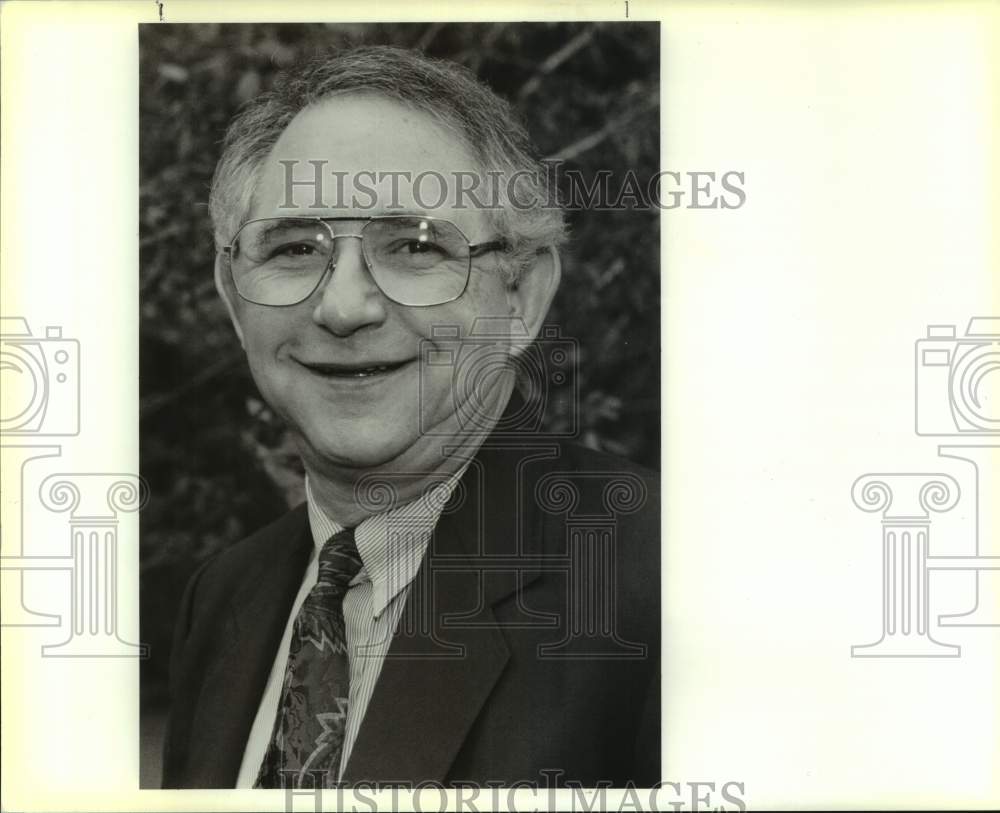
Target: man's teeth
column 360, row 372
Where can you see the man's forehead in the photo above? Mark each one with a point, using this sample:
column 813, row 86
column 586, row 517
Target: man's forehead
column 361, row 124
column 368, row 155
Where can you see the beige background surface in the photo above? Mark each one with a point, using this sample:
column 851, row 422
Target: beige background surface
column 867, row 137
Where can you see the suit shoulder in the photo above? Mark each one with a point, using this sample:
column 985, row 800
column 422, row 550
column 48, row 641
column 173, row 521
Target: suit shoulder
column 622, row 499
column 235, row 570
column 592, row 459
column 642, row 483
column 258, row 549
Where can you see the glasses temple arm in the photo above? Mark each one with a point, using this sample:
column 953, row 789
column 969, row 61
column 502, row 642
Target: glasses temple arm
column 479, row 249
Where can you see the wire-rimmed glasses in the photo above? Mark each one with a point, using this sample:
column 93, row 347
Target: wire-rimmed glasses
column 415, row 260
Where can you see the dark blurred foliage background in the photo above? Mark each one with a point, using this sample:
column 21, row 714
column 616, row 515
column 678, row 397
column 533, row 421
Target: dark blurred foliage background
column 218, row 464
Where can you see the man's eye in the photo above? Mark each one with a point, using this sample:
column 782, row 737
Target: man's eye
column 421, row 247
column 417, row 248
column 294, row 250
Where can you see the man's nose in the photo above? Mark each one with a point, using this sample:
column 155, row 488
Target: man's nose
column 349, row 299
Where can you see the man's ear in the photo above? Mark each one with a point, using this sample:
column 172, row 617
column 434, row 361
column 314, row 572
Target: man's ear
column 532, row 295
column 224, row 286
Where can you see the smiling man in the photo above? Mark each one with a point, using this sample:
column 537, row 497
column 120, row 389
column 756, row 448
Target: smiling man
column 460, row 599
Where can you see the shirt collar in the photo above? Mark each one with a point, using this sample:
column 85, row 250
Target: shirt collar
column 391, row 544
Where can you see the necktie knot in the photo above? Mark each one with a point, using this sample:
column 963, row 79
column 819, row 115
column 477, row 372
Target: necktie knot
column 339, row 561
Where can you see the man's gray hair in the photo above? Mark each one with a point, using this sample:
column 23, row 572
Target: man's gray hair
column 451, row 94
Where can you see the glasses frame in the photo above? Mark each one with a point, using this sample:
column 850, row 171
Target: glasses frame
column 475, row 250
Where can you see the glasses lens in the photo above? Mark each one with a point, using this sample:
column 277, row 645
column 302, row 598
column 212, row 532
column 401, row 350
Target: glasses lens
column 280, row 261
column 417, row 260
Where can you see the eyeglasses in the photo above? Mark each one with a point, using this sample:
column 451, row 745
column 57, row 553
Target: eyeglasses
column 414, row 260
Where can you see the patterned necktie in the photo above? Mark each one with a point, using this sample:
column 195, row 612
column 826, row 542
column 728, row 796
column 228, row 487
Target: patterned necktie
column 308, row 735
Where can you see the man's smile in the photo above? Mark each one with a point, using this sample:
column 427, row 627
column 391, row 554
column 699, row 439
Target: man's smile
column 354, row 370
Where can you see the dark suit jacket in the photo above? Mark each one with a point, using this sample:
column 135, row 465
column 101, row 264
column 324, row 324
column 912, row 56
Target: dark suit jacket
column 529, row 643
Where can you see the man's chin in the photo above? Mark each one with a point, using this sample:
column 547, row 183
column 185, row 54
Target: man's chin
column 353, row 450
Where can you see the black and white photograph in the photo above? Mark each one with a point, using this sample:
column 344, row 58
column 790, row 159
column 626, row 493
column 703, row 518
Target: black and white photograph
column 400, row 404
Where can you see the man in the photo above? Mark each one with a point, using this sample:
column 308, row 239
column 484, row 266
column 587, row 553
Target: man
column 461, row 598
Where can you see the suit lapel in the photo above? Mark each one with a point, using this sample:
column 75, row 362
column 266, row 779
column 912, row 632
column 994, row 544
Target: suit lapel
column 434, row 680
column 235, row 680
column 437, row 676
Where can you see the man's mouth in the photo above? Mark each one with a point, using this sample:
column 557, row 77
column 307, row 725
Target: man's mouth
column 328, row 370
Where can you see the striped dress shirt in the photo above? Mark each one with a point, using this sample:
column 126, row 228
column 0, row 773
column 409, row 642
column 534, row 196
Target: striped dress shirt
column 392, row 545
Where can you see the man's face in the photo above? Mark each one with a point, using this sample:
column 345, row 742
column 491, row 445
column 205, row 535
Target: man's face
column 313, row 361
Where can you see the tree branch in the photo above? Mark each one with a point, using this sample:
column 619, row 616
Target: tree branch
column 588, row 142
column 556, row 59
